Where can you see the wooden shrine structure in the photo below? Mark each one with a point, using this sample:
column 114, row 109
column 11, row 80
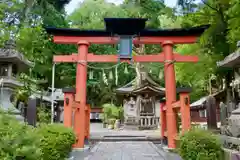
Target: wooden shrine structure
column 141, row 103
column 125, row 32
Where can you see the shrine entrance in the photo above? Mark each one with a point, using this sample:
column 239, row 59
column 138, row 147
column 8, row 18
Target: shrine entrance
column 125, row 32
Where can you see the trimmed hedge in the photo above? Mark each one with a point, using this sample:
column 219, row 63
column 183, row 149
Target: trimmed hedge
column 56, row 141
column 198, row 144
column 21, row 141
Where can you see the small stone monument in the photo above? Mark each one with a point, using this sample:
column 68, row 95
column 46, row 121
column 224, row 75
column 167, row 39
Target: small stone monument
column 211, row 113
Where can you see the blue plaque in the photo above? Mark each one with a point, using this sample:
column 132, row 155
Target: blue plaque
column 125, row 47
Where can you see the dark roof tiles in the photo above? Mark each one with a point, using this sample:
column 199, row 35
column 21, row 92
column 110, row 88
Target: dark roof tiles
column 127, row 26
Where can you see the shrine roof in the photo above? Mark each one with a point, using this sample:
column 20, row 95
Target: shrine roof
column 201, row 102
column 125, row 90
column 231, row 60
column 148, row 89
column 194, row 31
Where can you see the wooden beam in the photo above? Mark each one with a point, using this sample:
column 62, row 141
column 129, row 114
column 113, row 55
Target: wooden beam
column 114, row 40
column 65, row 58
column 102, row 58
column 114, row 58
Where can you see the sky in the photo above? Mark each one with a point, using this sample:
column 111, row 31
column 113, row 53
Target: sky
column 74, row 3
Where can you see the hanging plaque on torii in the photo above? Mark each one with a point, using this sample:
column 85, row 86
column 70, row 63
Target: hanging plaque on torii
column 125, row 32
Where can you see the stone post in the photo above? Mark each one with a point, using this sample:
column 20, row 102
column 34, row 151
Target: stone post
column 211, row 113
column 33, row 102
column 223, row 113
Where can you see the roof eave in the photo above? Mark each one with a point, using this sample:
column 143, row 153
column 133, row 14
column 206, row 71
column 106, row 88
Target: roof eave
column 194, row 31
column 230, row 61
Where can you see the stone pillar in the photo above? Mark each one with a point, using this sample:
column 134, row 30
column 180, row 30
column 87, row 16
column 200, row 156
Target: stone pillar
column 211, row 113
column 223, row 113
column 33, row 102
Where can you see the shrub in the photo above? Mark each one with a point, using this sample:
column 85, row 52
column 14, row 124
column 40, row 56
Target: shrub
column 111, row 121
column 107, row 111
column 21, row 141
column 17, row 140
column 56, row 141
column 110, row 111
column 198, row 144
column 43, row 114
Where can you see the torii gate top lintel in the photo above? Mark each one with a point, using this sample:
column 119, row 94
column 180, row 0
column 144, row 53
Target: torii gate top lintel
column 130, row 29
column 126, row 26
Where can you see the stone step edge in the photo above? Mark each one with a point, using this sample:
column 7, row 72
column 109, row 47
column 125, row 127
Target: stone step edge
column 102, row 139
column 130, row 136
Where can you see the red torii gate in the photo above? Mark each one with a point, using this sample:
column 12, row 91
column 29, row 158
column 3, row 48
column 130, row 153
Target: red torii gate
column 83, row 38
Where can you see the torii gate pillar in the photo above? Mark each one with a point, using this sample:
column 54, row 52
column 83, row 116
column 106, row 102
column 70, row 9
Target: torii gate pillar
column 81, row 93
column 170, row 85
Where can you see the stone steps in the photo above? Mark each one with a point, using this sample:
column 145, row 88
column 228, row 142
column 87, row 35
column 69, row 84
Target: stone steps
column 119, row 138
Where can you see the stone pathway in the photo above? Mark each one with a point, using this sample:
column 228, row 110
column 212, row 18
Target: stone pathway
column 126, row 148
column 126, row 151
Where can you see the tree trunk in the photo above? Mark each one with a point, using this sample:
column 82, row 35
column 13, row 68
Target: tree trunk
column 139, row 51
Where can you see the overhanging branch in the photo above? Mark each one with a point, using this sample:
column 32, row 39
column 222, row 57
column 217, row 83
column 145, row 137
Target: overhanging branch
column 210, row 6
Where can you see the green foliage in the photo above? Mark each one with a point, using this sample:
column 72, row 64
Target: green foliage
column 234, row 22
column 91, row 14
column 56, row 141
column 18, row 140
column 112, row 112
column 198, row 144
column 46, row 142
column 44, row 115
column 22, row 94
column 196, row 75
column 111, row 121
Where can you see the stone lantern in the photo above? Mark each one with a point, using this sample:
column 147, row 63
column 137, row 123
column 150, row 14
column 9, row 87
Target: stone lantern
column 12, row 63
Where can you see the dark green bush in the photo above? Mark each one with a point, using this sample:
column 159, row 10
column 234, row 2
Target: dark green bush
column 198, row 144
column 17, row 140
column 56, row 141
column 46, row 142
